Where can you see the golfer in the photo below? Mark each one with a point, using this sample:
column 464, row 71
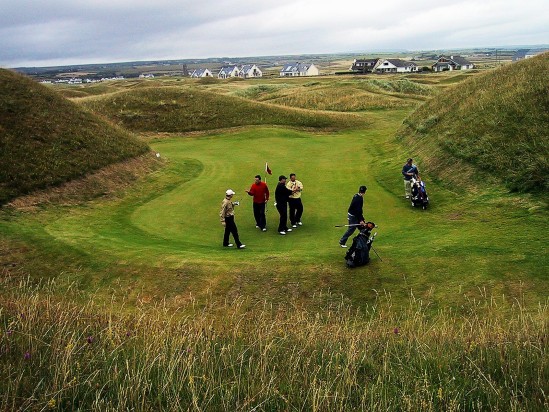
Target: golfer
column 354, row 215
column 282, row 193
column 260, row 193
column 294, row 201
column 409, row 170
column 227, row 219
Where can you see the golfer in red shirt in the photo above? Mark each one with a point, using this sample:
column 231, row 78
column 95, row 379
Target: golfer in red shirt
column 260, row 193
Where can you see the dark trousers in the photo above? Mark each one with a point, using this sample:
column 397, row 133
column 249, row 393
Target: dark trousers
column 283, row 210
column 296, row 210
column 230, row 228
column 353, row 220
column 259, row 215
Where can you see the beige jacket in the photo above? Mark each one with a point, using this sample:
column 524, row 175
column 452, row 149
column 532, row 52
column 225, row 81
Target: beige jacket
column 227, row 209
column 293, row 186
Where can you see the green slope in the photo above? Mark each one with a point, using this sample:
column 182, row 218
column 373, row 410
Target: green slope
column 46, row 140
column 176, row 110
column 493, row 125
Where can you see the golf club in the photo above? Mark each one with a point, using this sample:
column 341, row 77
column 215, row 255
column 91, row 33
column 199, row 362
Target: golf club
column 353, row 225
column 372, row 246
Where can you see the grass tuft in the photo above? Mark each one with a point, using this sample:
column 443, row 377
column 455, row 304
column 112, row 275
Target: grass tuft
column 240, row 355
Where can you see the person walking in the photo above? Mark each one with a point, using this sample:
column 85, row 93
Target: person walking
column 294, row 201
column 355, row 215
column 282, row 193
column 227, row 219
column 260, row 193
column 409, row 170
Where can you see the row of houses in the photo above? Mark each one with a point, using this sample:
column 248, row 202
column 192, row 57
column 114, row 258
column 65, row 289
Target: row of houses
column 444, row 63
column 251, row 71
column 246, row 71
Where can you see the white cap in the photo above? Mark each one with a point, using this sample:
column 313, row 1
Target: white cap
column 229, row 192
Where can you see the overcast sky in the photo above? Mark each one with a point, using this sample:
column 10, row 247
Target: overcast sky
column 62, row 32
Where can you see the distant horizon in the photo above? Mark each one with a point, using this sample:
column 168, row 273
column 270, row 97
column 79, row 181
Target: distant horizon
column 64, row 32
column 381, row 51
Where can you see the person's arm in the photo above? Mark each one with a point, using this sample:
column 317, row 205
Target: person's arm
column 251, row 191
column 223, row 212
column 361, row 218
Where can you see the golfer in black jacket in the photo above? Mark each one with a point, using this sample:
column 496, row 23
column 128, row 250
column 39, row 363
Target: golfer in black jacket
column 354, row 215
column 282, row 193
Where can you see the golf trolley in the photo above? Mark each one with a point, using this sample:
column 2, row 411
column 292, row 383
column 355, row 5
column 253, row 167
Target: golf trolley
column 419, row 193
column 359, row 252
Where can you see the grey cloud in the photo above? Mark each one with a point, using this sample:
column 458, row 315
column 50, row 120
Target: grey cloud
column 77, row 31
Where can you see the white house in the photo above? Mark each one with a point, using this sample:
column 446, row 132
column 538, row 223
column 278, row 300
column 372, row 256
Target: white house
column 299, row 69
column 250, row 70
column 201, row 73
column 395, row 66
column 228, row 71
column 448, row 63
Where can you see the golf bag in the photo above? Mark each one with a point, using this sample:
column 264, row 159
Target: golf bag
column 359, row 252
column 419, row 194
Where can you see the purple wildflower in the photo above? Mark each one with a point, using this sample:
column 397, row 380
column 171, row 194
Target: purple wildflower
column 396, row 331
column 27, row 355
column 90, row 339
column 9, row 332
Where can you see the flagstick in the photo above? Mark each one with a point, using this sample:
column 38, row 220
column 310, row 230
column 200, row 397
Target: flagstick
column 266, row 203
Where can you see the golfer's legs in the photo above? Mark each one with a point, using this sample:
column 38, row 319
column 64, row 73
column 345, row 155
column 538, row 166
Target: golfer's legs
column 293, row 209
column 299, row 210
column 226, row 234
column 408, row 188
column 230, row 227
column 257, row 213
column 350, row 230
column 234, row 232
column 283, row 210
column 262, row 218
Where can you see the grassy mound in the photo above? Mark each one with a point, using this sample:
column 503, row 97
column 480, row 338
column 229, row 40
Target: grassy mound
column 346, row 96
column 494, row 124
column 46, row 140
column 176, row 110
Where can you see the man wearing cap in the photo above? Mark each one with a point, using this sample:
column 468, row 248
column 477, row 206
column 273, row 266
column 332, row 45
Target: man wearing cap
column 294, row 201
column 354, row 215
column 260, row 193
column 227, row 220
column 282, row 193
column 409, row 170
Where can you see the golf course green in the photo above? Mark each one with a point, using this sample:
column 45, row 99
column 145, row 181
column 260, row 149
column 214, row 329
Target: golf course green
column 117, row 294
column 170, row 224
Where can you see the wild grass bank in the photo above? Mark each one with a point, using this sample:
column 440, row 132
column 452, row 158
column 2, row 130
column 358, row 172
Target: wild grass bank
column 495, row 124
column 46, row 140
column 238, row 355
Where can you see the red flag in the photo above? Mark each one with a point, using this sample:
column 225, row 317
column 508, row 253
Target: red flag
column 267, row 169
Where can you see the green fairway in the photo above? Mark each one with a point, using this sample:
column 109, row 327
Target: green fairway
column 117, row 294
column 164, row 236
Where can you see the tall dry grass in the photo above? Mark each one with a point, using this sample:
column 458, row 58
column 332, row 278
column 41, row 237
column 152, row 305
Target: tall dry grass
column 493, row 124
column 242, row 355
